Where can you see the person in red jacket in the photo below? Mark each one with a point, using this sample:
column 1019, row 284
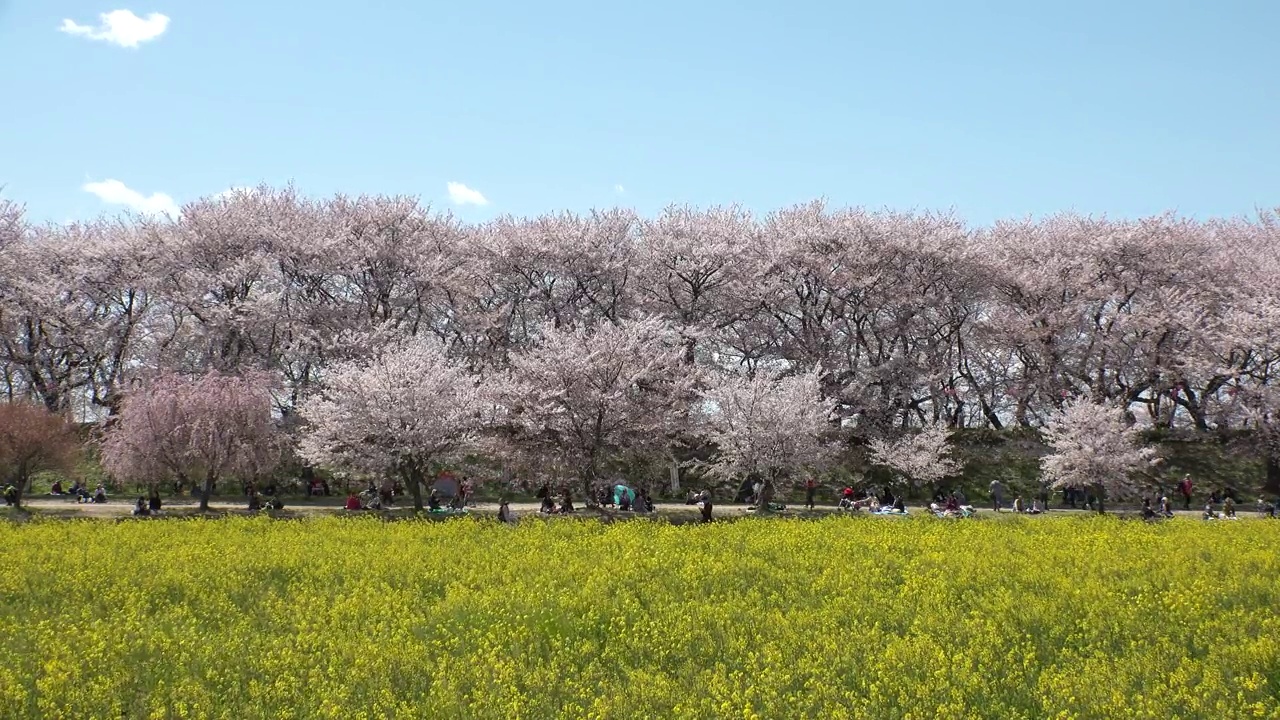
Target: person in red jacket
column 1185, row 487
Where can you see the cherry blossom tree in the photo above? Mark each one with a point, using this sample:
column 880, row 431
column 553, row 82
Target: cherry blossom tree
column 194, row 429
column 770, row 425
column 1093, row 445
column 32, row 440
column 587, row 396
column 401, row 411
column 921, row 457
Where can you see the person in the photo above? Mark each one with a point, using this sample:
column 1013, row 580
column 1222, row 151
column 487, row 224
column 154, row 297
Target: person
column 846, row 499
column 100, row 495
column 810, row 486
column 548, row 506
column 899, row 505
column 1267, row 509
column 10, row 494
column 1185, row 488
column 153, row 502
column 1229, row 507
column 997, row 495
column 705, row 506
column 77, row 489
column 140, row 507
column 1036, row 509
column 1017, row 504
column 566, row 505
column 255, row 500
column 466, row 489
column 952, row 504
column 504, row 512
column 1209, row 514
column 1148, row 513
column 353, row 502
column 624, row 501
column 1166, row 509
column 56, row 489
column 433, row 500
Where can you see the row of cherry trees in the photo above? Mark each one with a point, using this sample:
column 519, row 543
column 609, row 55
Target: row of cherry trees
column 900, row 320
column 910, row 318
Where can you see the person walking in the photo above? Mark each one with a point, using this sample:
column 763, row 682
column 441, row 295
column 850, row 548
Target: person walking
column 997, row 494
column 809, row 486
column 1185, row 488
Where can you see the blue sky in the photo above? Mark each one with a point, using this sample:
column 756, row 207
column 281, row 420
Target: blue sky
column 996, row 109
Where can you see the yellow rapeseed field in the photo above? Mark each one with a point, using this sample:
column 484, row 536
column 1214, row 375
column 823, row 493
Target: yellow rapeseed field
column 840, row 618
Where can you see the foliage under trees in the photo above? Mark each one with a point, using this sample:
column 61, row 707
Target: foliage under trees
column 398, row 413
column 33, row 440
column 195, row 430
column 1095, row 447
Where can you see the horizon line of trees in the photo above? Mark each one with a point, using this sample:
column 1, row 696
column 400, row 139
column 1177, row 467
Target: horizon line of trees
column 906, row 321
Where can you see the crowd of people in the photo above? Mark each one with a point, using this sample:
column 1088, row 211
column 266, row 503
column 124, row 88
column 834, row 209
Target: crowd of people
column 448, row 495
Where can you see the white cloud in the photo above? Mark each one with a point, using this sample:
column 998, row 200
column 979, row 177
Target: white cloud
column 619, row 189
column 120, row 27
column 462, row 195
column 114, row 192
column 235, row 190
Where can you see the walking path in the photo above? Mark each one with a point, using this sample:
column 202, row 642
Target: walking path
column 122, row 506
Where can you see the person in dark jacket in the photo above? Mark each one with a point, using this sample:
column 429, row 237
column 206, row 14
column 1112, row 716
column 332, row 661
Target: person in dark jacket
column 705, row 506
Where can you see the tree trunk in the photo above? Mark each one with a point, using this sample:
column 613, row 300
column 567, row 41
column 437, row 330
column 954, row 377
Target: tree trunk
column 1099, row 492
column 205, row 491
column 413, row 478
column 1272, row 484
column 767, row 492
column 675, row 476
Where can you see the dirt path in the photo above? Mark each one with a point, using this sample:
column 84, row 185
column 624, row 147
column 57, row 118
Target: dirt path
column 122, row 506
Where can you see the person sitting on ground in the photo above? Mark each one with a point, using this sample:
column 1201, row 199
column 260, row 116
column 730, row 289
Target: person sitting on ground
column 373, row 503
column 433, row 500
column 153, row 501
column 952, row 504
column 1166, row 509
column 624, row 502
column 1265, row 508
column 353, row 502
column 566, row 505
column 10, row 495
column 1017, row 504
column 1035, row 507
column 1209, row 514
column 456, row 502
column 899, row 505
column 140, row 507
column 56, row 489
column 1229, row 507
column 100, row 495
column 1147, row 512
column 846, row 499
column 77, row 489
column 255, row 500
column 548, row 506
